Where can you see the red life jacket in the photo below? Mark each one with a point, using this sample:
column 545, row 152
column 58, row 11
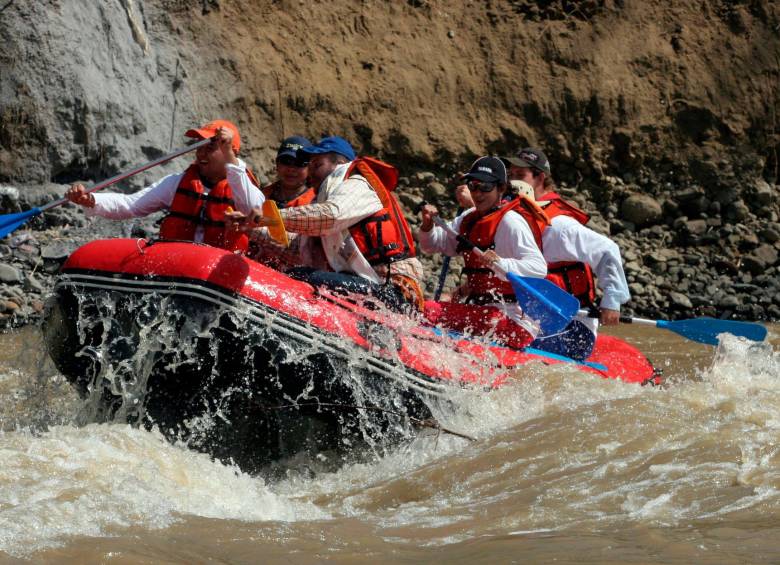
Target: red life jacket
column 307, row 197
column 383, row 237
column 485, row 287
column 574, row 277
column 192, row 207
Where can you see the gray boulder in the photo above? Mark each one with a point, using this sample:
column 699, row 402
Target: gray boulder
column 763, row 257
column 679, row 299
column 10, row 274
column 641, row 210
column 764, row 193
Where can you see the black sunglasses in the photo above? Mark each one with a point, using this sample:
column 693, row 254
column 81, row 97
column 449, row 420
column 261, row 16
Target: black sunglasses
column 292, row 162
column 481, row 186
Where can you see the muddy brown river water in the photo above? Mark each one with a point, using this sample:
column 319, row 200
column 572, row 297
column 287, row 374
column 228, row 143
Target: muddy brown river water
column 566, row 467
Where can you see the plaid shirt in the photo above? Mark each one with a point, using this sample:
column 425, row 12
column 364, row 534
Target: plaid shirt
column 340, row 205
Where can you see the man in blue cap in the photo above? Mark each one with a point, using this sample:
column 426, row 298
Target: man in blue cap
column 354, row 234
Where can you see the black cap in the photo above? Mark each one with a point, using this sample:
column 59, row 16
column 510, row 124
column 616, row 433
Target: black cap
column 488, row 169
column 290, row 146
column 532, row 158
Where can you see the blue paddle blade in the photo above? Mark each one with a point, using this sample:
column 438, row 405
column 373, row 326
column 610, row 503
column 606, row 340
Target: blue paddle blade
column 10, row 222
column 706, row 330
column 544, row 302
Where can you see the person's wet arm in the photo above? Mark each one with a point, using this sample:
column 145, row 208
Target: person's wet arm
column 351, row 201
column 516, row 246
column 153, row 198
column 245, row 194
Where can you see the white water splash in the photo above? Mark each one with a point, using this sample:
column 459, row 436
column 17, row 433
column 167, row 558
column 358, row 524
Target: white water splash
column 93, row 480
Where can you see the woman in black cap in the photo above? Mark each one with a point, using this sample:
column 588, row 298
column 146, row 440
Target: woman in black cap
column 509, row 232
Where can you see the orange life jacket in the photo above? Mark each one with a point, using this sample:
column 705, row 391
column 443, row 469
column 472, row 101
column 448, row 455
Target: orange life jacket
column 383, row 237
column 192, row 207
column 307, row 197
column 485, row 287
column 574, row 277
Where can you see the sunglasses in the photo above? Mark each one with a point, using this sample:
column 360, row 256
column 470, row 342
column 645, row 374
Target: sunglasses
column 291, row 162
column 481, row 186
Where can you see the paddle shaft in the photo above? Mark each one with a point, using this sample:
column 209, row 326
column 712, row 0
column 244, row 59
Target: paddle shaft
column 623, row 319
column 127, row 174
column 445, row 267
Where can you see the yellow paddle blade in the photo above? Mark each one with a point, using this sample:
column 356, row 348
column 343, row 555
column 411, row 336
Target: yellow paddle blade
column 276, row 227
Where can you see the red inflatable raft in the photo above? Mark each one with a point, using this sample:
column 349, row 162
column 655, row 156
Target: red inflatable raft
column 165, row 332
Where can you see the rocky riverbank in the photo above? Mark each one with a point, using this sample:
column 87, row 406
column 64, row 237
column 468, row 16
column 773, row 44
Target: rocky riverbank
column 693, row 251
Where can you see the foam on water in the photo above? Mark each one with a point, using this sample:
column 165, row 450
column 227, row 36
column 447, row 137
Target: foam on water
column 554, row 448
column 91, row 481
column 558, row 448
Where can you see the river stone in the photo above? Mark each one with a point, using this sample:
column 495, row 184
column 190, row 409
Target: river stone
column 10, row 274
column 729, row 301
column 424, row 176
column 696, row 227
column 636, row 289
column 764, row 193
column 410, row 201
column 641, row 210
column 655, row 257
column 434, row 191
column 32, row 284
column 599, row 225
column 679, row 299
column 760, row 259
column 769, row 235
column 737, row 211
column 57, row 251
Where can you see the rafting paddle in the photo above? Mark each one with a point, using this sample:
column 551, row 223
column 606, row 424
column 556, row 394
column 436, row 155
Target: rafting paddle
column 702, row 330
column 445, row 267
column 11, row 222
column 276, row 227
column 540, row 299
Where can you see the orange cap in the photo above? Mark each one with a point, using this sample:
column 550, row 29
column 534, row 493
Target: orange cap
column 210, row 130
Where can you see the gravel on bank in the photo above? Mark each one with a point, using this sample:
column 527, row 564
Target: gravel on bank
column 698, row 251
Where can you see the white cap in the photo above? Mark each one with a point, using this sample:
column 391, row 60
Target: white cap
column 523, row 188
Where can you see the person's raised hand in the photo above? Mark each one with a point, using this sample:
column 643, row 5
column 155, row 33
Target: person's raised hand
column 224, row 140
column 463, row 196
column 79, row 195
column 235, row 220
column 427, row 213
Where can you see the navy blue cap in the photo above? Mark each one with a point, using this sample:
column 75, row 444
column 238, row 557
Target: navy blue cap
column 332, row 144
column 488, row 169
column 290, row 146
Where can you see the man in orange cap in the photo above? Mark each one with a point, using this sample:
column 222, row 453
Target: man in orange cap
column 196, row 200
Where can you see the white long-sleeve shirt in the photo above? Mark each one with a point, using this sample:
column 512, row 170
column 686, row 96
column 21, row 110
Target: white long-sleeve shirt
column 565, row 239
column 159, row 196
column 514, row 243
